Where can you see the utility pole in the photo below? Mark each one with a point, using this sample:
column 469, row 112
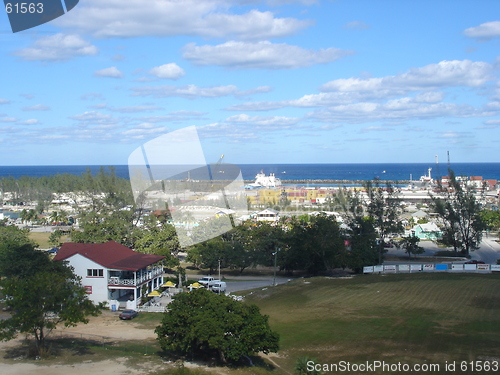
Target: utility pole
column 275, row 257
column 219, row 277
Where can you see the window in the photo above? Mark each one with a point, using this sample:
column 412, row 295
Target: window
column 95, row 273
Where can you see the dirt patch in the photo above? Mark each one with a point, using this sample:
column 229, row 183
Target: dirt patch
column 106, row 325
column 109, row 325
column 108, row 367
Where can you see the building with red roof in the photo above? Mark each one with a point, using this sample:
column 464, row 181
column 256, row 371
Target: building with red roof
column 113, row 273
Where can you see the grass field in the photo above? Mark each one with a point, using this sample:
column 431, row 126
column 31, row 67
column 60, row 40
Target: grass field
column 413, row 319
column 42, row 239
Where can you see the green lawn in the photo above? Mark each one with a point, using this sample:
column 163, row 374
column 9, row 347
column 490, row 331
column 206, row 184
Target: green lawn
column 418, row 318
column 42, row 239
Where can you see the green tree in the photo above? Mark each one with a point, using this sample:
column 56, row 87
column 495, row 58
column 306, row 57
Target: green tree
column 384, row 208
column 358, row 230
column 55, row 237
column 97, row 227
column 41, row 294
column 208, row 253
column 202, row 323
column 314, row 246
column 411, row 245
column 11, row 234
column 264, row 239
column 492, row 219
column 159, row 239
column 460, row 215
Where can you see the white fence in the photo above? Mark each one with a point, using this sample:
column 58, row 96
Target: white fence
column 432, row 267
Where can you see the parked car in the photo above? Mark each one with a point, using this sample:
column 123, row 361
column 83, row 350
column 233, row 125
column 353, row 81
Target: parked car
column 128, row 314
column 219, row 287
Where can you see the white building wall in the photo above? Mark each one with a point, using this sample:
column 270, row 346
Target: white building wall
column 97, row 286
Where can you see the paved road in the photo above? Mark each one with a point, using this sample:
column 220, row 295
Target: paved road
column 238, row 283
column 489, row 251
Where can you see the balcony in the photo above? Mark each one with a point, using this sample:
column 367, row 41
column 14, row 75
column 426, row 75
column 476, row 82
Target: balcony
column 141, row 278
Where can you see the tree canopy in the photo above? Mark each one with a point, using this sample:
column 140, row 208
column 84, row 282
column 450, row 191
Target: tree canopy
column 384, row 208
column 205, row 324
column 40, row 293
column 460, row 214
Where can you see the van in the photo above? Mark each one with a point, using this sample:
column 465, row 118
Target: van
column 219, row 287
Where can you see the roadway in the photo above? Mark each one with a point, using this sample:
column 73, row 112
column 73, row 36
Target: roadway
column 239, row 283
column 488, row 252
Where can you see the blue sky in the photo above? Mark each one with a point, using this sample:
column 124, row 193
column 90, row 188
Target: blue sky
column 278, row 81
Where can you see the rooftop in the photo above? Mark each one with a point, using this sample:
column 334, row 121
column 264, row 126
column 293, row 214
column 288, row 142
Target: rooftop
column 110, row 255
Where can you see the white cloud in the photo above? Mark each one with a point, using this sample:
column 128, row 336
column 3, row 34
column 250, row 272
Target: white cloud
column 187, row 91
column 430, row 77
column 330, row 99
column 356, row 25
column 92, row 96
column 174, row 116
column 8, row 119
column 168, row 71
column 37, row 107
column 206, row 18
column 112, row 72
column 244, row 127
column 93, row 117
column 99, row 106
column 4, row 101
column 375, row 129
column 454, row 137
column 134, row 109
column 188, row 113
column 58, row 47
column 118, row 57
column 260, row 55
column 492, row 122
column 485, row 31
column 397, row 109
column 29, row 122
column 266, row 122
column 257, row 106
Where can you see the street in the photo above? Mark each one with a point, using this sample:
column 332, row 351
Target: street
column 488, row 252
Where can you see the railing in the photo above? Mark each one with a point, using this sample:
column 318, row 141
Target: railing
column 114, row 280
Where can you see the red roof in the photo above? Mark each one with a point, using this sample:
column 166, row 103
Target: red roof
column 110, row 255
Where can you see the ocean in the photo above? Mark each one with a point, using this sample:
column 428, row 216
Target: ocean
column 364, row 172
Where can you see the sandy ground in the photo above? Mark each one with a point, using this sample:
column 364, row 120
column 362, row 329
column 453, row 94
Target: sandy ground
column 107, row 325
column 85, row 368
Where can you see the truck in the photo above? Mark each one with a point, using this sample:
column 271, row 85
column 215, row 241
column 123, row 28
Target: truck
column 219, row 287
column 208, row 281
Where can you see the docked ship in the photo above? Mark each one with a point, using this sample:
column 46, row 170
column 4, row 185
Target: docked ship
column 263, row 181
column 424, row 182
